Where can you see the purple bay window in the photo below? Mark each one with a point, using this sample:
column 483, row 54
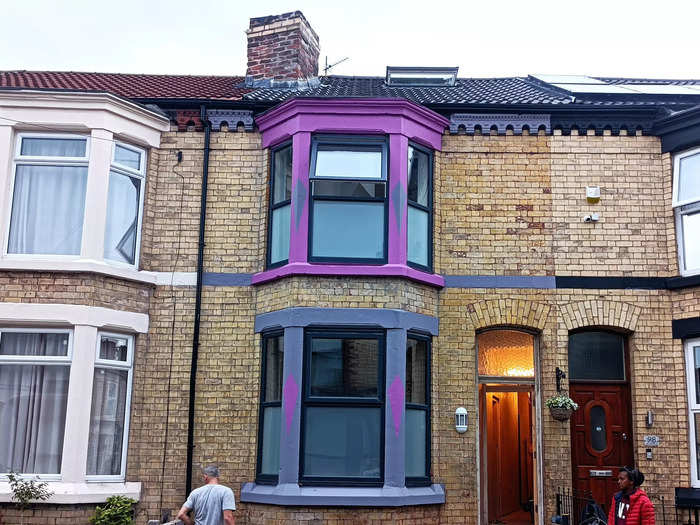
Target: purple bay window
column 351, row 188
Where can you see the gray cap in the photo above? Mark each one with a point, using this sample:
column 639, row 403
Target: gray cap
column 211, row 470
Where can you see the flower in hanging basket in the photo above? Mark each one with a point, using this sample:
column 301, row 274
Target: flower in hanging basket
column 561, row 406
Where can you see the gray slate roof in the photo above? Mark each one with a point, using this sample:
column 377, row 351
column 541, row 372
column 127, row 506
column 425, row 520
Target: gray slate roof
column 477, row 91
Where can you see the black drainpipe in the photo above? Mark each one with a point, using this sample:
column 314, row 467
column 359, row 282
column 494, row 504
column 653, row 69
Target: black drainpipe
column 198, row 300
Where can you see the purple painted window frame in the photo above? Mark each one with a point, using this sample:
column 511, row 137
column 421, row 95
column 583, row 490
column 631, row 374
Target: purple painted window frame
column 401, row 121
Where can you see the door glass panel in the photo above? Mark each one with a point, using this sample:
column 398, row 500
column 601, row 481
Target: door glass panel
column 599, row 437
column 506, row 353
column 597, row 356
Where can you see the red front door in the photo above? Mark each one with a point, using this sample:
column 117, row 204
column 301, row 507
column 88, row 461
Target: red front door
column 601, row 438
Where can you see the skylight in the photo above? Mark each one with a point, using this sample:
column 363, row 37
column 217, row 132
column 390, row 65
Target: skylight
column 421, row 76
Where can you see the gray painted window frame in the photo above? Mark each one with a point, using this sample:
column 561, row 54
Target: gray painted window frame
column 394, row 492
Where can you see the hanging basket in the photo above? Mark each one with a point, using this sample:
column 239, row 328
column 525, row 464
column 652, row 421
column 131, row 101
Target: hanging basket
column 560, row 414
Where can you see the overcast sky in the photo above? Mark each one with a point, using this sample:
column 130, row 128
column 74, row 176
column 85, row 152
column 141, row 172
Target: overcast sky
column 658, row 39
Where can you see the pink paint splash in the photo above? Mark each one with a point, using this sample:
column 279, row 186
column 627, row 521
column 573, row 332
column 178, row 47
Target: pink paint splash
column 396, row 398
column 291, row 394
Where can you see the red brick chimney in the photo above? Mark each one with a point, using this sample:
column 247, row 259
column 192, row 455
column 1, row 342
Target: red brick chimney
column 282, row 49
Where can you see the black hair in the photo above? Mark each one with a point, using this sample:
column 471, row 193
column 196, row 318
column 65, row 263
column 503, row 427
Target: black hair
column 634, row 475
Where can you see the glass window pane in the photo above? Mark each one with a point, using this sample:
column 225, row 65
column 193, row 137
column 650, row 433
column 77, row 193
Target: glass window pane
column 48, row 147
column 122, row 226
column 127, row 157
column 279, row 241
column 107, row 419
column 506, row 353
column 282, row 178
column 348, row 229
column 114, row 348
column 696, row 417
column 270, row 460
column 33, row 344
column 691, row 240
column 418, row 236
column 696, row 354
column 418, row 175
column 416, row 371
column 596, row 356
column 33, row 414
column 599, row 436
column 689, row 178
column 344, row 367
column 274, row 368
column 415, row 443
column 337, row 188
column 48, row 207
column 349, row 163
column 342, row 442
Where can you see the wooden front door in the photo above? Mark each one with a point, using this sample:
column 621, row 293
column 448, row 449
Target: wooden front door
column 601, row 438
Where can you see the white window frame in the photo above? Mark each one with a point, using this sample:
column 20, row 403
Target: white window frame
column 116, row 365
column 693, row 408
column 682, row 208
column 19, row 160
column 42, row 361
column 130, row 172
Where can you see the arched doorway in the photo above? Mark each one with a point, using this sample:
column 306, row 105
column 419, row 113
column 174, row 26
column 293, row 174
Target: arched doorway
column 601, row 429
column 508, row 433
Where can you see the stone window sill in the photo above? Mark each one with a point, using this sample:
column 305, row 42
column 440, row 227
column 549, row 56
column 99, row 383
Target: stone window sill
column 73, row 265
column 385, row 270
column 87, row 492
column 293, row 494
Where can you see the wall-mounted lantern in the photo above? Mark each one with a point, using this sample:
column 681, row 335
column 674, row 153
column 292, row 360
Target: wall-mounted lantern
column 461, row 421
column 560, row 375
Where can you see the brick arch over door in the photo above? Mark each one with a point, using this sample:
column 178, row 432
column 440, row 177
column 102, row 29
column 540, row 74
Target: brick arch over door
column 505, row 312
column 600, row 313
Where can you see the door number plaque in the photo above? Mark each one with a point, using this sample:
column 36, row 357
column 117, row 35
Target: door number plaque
column 600, row 473
column 651, row 441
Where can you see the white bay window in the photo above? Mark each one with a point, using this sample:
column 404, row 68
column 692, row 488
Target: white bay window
column 73, row 182
column 692, row 357
column 686, row 203
column 51, row 186
column 65, row 398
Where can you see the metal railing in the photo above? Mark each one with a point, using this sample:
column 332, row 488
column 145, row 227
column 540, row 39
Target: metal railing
column 577, row 507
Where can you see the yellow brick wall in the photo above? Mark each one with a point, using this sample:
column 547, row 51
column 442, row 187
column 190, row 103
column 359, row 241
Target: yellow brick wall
column 503, row 206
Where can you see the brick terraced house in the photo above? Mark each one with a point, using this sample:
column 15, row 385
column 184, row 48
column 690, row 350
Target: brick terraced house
column 310, row 280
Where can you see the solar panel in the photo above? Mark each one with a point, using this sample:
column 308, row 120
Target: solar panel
column 663, row 89
column 595, row 88
column 568, row 79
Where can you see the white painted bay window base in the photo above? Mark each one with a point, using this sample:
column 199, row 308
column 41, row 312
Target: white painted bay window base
column 86, row 323
column 81, row 492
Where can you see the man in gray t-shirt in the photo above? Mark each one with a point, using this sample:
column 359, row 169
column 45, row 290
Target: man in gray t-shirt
column 212, row 504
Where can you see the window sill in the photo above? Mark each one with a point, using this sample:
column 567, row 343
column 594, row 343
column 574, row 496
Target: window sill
column 293, row 494
column 70, row 264
column 86, row 492
column 386, row 270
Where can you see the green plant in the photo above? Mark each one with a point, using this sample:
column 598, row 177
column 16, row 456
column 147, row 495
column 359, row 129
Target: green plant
column 118, row 510
column 561, row 401
column 24, row 491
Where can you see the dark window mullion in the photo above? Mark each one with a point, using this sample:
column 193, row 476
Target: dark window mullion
column 349, row 199
column 419, row 206
column 281, row 204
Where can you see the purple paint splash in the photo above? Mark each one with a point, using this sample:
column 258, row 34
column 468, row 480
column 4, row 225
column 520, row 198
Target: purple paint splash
column 290, row 393
column 396, row 398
